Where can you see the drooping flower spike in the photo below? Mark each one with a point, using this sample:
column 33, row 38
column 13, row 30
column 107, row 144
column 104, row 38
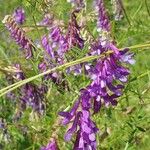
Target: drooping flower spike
column 108, row 77
column 18, row 35
column 103, row 23
column 56, row 45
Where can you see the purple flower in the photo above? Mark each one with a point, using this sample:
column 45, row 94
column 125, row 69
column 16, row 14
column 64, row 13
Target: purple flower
column 31, row 95
column 55, row 47
column 74, row 40
column 82, row 125
column 52, row 145
column 103, row 23
column 19, row 15
column 18, row 35
column 108, row 76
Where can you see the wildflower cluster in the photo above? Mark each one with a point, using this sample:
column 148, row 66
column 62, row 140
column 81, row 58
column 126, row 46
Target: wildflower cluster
column 18, row 35
column 30, row 95
column 108, row 74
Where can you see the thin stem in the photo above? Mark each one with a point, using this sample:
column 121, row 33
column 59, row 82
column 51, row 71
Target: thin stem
column 148, row 11
column 64, row 66
column 139, row 46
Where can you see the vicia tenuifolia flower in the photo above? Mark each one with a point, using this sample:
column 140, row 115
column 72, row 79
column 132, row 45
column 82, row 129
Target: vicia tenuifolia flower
column 18, row 35
column 54, row 45
column 82, row 125
column 19, row 15
column 29, row 95
column 73, row 36
column 108, row 76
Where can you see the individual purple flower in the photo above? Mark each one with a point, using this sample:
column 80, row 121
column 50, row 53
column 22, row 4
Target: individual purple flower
column 52, row 145
column 18, row 35
column 19, row 15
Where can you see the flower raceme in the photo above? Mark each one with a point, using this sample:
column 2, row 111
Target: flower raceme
column 18, row 35
column 108, row 76
column 56, row 45
column 30, row 95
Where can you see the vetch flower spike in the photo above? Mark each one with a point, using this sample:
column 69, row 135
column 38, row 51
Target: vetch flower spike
column 18, row 35
column 108, row 77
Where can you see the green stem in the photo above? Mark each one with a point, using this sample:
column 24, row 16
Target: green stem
column 139, row 46
column 64, row 66
column 140, row 76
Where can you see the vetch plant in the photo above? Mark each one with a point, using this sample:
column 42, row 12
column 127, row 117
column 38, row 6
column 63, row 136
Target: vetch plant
column 104, row 66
